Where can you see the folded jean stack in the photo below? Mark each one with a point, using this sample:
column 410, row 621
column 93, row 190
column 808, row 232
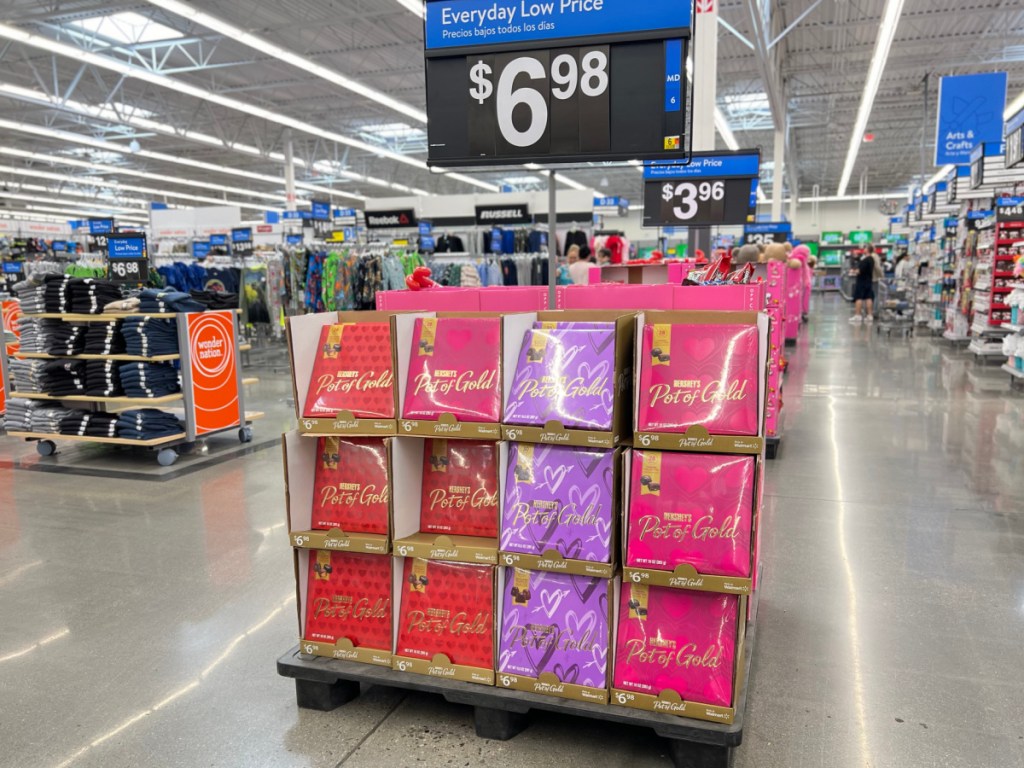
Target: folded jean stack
column 104, row 339
column 32, row 296
column 18, row 416
column 33, row 334
column 150, row 336
column 46, row 419
column 63, row 378
column 214, row 300
column 154, row 300
column 58, row 293
column 63, row 339
column 148, row 424
column 88, row 297
column 26, row 375
column 89, row 424
column 149, row 379
column 103, row 378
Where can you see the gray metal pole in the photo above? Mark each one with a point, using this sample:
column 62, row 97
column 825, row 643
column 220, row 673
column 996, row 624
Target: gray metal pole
column 289, row 171
column 552, row 242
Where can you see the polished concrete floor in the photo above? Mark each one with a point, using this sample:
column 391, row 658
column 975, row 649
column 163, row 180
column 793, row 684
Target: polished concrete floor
column 140, row 619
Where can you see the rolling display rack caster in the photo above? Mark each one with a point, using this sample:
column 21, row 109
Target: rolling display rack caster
column 245, row 435
column 165, row 457
column 46, row 447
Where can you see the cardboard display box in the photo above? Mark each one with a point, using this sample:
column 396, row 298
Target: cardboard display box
column 551, row 559
column 564, row 632
column 686, row 576
column 448, row 425
column 621, row 379
column 300, row 457
column 669, row 702
column 344, row 648
column 409, row 540
column 303, row 347
column 447, row 619
column 698, row 437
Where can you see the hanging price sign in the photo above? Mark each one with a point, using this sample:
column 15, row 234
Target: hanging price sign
column 1010, row 208
column 765, row 234
column 1014, row 138
column 558, row 81
column 99, row 231
column 127, row 259
column 241, row 241
column 712, row 189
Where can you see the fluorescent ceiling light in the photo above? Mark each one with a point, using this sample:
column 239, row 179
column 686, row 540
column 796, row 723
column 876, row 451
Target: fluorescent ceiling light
column 939, row 176
column 125, row 109
column 416, row 6
column 154, row 78
column 78, row 213
column 63, row 191
column 521, row 180
column 55, row 198
column 128, row 28
column 267, row 48
column 108, row 146
column 1015, row 106
column 402, row 131
column 738, row 104
column 886, row 33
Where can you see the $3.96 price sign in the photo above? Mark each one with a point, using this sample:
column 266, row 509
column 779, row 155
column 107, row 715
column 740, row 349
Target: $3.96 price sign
column 535, row 103
column 713, row 189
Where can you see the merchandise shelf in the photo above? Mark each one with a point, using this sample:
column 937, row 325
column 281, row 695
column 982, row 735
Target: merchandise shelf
column 1012, row 370
column 86, row 399
column 123, row 358
column 108, row 440
column 100, row 318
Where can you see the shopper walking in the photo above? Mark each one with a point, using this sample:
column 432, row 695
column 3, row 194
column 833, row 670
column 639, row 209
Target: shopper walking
column 864, row 289
column 579, row 268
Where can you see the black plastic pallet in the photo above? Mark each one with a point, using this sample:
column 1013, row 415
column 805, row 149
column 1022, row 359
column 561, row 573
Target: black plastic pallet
column 771, row 447
column 500, row 714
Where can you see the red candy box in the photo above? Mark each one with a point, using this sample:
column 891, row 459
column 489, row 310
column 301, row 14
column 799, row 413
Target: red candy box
column 353, row 371
column 349, row 596
column 460, row 488
column 351, row 489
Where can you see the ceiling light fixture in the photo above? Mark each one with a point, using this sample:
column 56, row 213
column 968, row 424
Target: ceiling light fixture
column 886, row 33
column 128, row 28
column 416, row 6
column 1014, row 107
column 268, row 48
column 126, row 70
column 103, row 207
column 939, row 176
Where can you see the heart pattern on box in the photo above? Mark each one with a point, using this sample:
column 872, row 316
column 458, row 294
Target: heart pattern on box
column 716, row 370
column 359, row 377
column 463, row 499
column 465, row 349
column 542, row 515
column 697, row 632
column 349, row 596
column 558, row 630
column 351, row 489
column 559, row 385
column 701, row 516
column 454, row 593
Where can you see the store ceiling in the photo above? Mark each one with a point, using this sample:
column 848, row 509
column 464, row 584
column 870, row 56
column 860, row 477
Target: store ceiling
column 822, row 66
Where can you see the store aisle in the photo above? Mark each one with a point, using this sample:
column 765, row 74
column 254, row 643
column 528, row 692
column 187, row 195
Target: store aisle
column 140, row 621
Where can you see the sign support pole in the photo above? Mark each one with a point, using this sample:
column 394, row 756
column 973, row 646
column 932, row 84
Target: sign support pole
column 705, row 97
column 289, row 171
column 552, row 241
column 778, row 176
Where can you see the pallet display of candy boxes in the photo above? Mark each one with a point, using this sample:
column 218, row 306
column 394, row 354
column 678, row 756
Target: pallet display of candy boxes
column 495, row 560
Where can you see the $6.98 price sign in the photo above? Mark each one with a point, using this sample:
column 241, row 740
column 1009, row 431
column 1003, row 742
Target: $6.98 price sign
column 688, row 195
column 527, row 97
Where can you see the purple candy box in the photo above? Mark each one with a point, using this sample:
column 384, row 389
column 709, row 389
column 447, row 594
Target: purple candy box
column 566, row 374
column 555, row 623
column 559, row 498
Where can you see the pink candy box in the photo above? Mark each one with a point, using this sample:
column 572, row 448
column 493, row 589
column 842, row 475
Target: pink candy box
column 690, row 509
column 675, row 639
column 455, row 367
column 699, row 374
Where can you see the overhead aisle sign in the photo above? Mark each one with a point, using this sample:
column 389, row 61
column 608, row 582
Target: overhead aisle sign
column 970, row 112
column 1014, row 138
column 712, row 189
column 551, row 81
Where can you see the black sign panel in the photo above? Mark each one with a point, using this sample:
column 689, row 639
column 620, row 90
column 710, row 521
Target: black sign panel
column 696, row 202
column 977, row 171
column 1015, row 147
column 241, row 241
column 488, row 215
column 558, row 104
column 1010, row 208
column 391, row 219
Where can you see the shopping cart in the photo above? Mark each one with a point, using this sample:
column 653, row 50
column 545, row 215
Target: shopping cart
column 895, row 305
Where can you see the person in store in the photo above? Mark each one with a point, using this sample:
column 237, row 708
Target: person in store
column 864, row 288
column 904, row 269
column 579, row 268
column 604, row 257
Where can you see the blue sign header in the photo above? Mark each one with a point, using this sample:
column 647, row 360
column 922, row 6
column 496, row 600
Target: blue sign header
column 293, row 239
column 426, row 228
column 344, row 213
column 200, row 249
column 1009, row 201
column 59, row 246
column 12, row 267
column 706, row 166
column 218, row 239
column 320, row 210
column 241, row 235
column 770, row 228
column 126, row 247
column 970, row 112
column 468, row 23
column 978, row 214
column 101, row 226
